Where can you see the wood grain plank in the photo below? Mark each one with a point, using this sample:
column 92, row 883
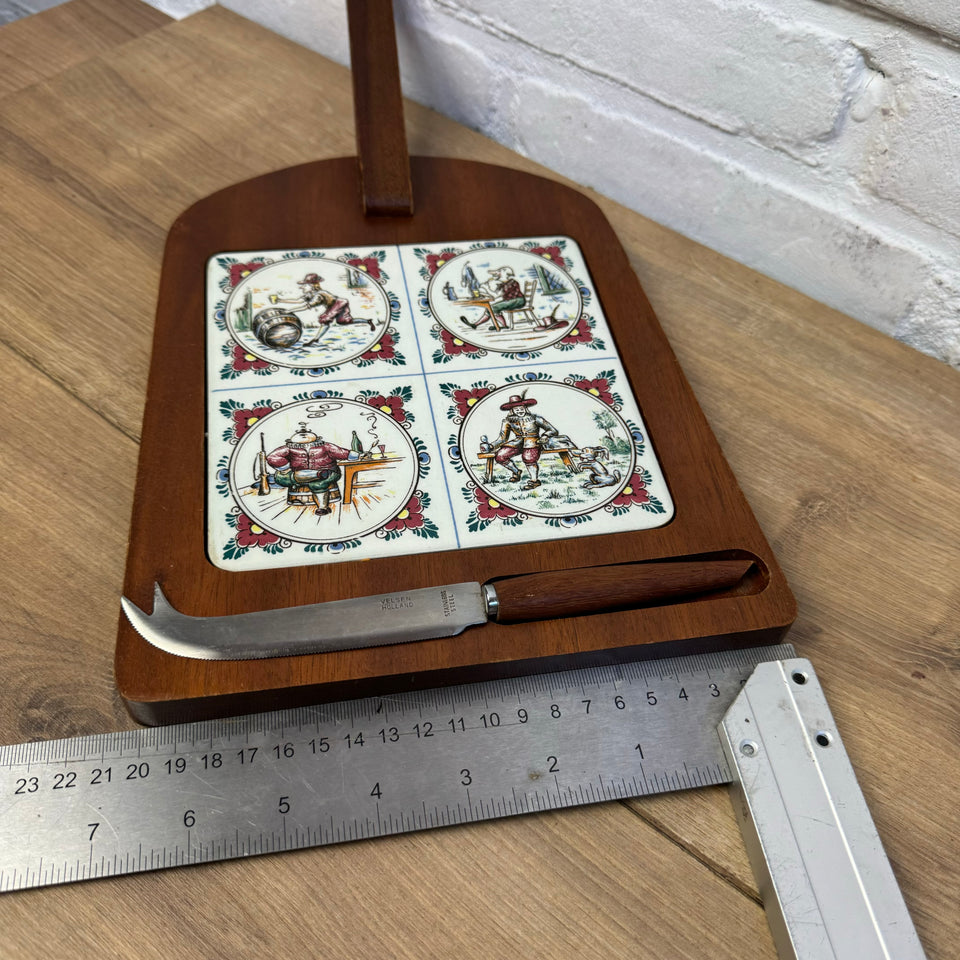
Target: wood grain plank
column 45, row 43
column 62, row 552
column 86, row 196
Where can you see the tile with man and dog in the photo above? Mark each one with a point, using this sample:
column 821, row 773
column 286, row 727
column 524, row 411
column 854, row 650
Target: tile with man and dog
column 383, row 402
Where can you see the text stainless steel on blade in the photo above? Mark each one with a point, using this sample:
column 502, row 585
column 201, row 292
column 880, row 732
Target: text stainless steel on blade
column 167, row 796
column 428, row 613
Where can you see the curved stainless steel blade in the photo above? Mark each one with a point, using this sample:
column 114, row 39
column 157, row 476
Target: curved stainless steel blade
column 423, row 614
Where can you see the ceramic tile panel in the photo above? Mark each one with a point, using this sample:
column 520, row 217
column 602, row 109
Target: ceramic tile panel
column 383, row 402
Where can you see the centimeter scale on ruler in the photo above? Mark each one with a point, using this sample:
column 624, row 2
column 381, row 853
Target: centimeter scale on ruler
column 164, row 796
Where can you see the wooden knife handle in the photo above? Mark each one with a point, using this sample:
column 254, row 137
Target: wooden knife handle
column 565, row 593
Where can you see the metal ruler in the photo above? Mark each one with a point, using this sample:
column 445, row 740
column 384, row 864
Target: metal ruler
column 160, row 797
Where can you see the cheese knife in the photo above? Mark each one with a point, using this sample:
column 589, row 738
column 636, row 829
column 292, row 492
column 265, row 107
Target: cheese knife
column 427, row 613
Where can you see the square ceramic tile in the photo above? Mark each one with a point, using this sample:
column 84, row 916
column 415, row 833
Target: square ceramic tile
column 348, row 471
column 307, row 314
column 527, row 301
column 562, row 452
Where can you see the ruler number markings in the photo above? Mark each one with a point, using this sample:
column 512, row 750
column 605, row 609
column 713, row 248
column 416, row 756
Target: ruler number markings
column 211, row 760
column 178, row 799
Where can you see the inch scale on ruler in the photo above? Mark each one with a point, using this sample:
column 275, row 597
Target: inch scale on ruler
column 160, row 797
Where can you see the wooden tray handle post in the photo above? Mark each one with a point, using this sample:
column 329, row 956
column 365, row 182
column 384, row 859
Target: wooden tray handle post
column 565, row 593
column 378, row 109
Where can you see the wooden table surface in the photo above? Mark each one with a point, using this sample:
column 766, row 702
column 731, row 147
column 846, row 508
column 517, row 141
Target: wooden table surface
column 846, row 443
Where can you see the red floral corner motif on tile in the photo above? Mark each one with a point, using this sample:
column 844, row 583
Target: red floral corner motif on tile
column 581, row 333
column 240, row 270
column 454, row 345
column 393, row 406
column 634, row 492
column 490, row 509
column 383, row 350
column 599, row 388
column 409, row 518
column 369, row 265
column 241, row 360
column 465, row 399
column 436, row 260
column 243, row 420
column 549, row 253
column 250, row 535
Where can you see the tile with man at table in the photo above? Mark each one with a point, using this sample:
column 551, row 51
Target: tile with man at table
column 529, row 301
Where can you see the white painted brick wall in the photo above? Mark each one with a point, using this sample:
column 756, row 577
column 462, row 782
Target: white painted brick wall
column 817, row 141
column 940, row 16
column 927, row 123
column 687, row 54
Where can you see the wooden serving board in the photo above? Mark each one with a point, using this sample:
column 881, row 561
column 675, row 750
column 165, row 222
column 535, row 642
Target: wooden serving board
column 196, row 528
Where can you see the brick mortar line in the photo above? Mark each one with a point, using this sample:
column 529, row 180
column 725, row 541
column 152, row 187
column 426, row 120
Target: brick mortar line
column 741, row 133
column 878, row 14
